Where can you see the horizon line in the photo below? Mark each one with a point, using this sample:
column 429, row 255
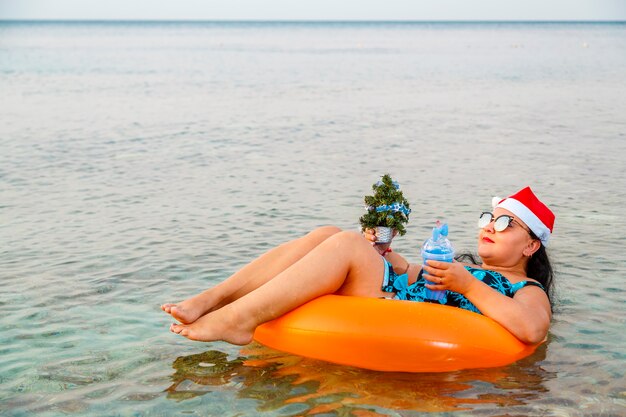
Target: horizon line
column 303, row 21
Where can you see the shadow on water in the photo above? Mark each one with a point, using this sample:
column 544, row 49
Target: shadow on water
column 275, row 380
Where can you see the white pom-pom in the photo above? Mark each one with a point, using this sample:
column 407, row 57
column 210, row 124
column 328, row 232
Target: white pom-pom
column 495, row 201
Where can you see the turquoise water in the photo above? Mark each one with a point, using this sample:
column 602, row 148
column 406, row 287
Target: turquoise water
column 142, row 163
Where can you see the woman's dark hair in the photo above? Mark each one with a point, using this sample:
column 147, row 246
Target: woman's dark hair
column 538, row 268
column 468, row 257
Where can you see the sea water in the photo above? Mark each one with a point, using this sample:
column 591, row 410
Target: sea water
column 141, row 163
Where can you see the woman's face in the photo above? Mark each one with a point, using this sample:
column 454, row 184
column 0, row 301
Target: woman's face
column 508, row 247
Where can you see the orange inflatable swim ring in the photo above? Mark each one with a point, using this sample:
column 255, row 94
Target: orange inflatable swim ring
column 392, row 335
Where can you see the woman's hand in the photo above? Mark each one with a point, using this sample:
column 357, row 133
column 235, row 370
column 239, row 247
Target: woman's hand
column 448, row 276
column 370, row 234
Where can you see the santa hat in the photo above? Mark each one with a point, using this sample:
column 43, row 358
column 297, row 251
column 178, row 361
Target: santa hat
column 526, row 206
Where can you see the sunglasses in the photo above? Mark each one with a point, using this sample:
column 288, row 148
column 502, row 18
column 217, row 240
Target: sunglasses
column 500, row 223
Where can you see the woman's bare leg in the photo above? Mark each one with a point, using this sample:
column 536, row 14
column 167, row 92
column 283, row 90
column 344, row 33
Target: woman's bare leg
column 346, row 263
column 250, row 277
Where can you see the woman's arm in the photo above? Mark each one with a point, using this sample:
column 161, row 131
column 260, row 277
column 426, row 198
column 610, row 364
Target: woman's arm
column 400, row 265
column 526, row 315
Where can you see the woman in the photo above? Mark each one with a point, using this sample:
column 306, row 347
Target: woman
column 511, row 243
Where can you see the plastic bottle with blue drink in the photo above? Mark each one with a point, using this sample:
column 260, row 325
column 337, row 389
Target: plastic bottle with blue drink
column 437, row 248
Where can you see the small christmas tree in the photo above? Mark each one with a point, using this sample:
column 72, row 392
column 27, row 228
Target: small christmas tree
column 387, row 207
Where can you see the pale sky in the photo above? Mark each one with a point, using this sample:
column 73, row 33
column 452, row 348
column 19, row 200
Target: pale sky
column 614, row 10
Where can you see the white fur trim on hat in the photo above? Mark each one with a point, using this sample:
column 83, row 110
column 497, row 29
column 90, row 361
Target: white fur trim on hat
column 528, row 217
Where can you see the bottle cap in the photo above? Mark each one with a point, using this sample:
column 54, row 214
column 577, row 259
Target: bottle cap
column 440, row 230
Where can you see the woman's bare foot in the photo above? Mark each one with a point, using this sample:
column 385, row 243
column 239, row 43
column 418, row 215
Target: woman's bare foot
column 191, row 309
column 179, row 313
column 218, row 325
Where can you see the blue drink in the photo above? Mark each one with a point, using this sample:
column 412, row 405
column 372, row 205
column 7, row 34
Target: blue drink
column 437, row 248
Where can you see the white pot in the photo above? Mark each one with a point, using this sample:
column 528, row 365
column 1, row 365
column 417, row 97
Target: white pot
column 384, row 234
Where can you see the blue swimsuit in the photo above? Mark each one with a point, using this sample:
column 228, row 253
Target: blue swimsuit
column 398, row 284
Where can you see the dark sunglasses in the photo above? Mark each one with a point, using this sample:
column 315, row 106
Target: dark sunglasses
column 500, row 223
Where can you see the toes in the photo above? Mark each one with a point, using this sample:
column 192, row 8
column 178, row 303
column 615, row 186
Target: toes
column 179, row 314
column 175, row 312
column 176, row 328
column 192, row 335
column 183, row 331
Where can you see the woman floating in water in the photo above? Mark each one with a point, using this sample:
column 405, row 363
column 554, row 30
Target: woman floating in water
column 511, row 286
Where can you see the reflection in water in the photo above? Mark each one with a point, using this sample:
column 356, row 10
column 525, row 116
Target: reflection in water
column 275, row 380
